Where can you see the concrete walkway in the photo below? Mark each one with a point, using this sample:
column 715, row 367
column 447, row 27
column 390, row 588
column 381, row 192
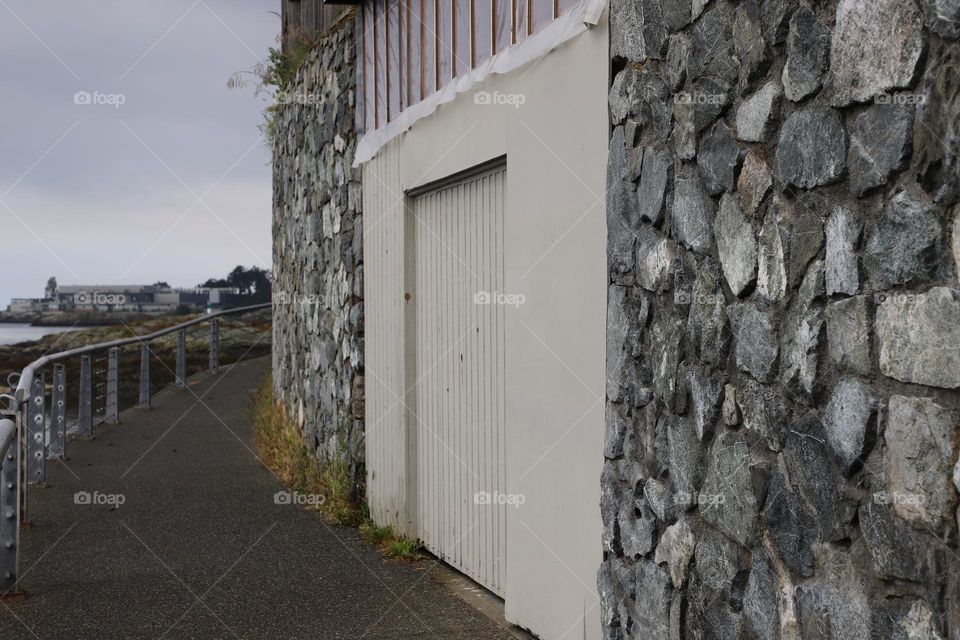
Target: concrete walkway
column 200, row 550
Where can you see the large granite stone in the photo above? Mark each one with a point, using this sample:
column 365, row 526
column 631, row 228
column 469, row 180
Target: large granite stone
column 655, row 256
column 835, row 604
column 728, row 499
column 664, row 356
column 676, row 13
column 847, row 420
column 776, row 18
column 943, row 17
column 710, row 98
column 708, row 328
column 755, row 341
column 710, row 616
column 812, row 148
column 692, row 218
column 655, row 175
column 638, row 30
column 919, row 338
column 815, row 474
column 750, row 43
column 936, row 146
column 955, row 240
column 800, row 342
column 806, row 235
column 678, row 57
column 903, row 243
column 848, row 335
column 772, row 273
column 881, row 140
column 637, row 526
column 808, row 52
column 754, row 182
column 684, row 456
column 717, row 560
column 893, row 547
column 736, row 245
column 905, row 618
column 791, row 526
column 842, row 270
column 660, row 499
column 761, row 605
column 765, row 412
column 919, row 457
column 622, row 217
column 618, row 326
column 718, row 159
column 651, row 606
column 676, row 549
column 712, row 53
column 876, row 46
column 758, row 113
column 706, row 390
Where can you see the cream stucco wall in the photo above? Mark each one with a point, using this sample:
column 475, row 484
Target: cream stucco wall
column 555, row 145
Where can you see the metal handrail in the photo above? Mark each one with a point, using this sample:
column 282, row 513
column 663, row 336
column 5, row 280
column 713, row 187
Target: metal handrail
column 22, row 393
column 24, row 428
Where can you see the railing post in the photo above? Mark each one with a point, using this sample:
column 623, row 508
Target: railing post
column 144, row 400
column 58, row 410
column 182, row 358
column 113, row 411
column 9, row 504
column 85, row 424
column 214, row 344
column 36, row 430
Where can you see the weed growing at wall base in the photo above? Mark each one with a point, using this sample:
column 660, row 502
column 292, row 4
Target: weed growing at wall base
column 281, row 448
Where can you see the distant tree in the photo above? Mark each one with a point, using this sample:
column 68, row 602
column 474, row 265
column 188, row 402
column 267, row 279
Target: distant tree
column 51, row 290
column 162, row 284
column 246, row 281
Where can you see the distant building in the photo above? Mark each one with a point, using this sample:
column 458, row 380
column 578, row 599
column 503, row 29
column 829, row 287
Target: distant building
column 129, row 298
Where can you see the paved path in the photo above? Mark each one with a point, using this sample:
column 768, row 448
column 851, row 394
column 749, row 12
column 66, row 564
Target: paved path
column 200, row 550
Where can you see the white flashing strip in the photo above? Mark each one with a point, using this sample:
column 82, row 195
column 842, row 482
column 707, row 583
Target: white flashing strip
column 572, row 24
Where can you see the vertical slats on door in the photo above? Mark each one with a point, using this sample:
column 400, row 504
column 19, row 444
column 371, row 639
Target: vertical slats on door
column 458, row 236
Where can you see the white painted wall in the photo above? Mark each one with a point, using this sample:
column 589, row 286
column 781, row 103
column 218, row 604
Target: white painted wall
column 555, row 255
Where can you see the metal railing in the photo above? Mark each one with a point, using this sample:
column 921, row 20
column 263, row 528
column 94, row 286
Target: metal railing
column 28, row 439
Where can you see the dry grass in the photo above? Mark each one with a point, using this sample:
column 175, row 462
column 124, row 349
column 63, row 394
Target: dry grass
column 281, row 448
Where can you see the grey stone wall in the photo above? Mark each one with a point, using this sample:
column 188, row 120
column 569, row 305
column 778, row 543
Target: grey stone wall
column 318, row 253
column 783, row 320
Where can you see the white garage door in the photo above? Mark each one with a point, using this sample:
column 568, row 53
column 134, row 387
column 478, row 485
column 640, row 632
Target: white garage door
column 458, row 231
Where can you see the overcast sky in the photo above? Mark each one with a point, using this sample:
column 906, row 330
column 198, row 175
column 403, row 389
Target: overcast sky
column 173, row 184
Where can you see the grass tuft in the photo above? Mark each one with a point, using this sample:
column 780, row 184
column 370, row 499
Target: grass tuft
column 281, row 448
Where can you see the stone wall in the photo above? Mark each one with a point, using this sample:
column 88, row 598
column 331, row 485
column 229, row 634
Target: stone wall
column 318, row 254
column 783, row 320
